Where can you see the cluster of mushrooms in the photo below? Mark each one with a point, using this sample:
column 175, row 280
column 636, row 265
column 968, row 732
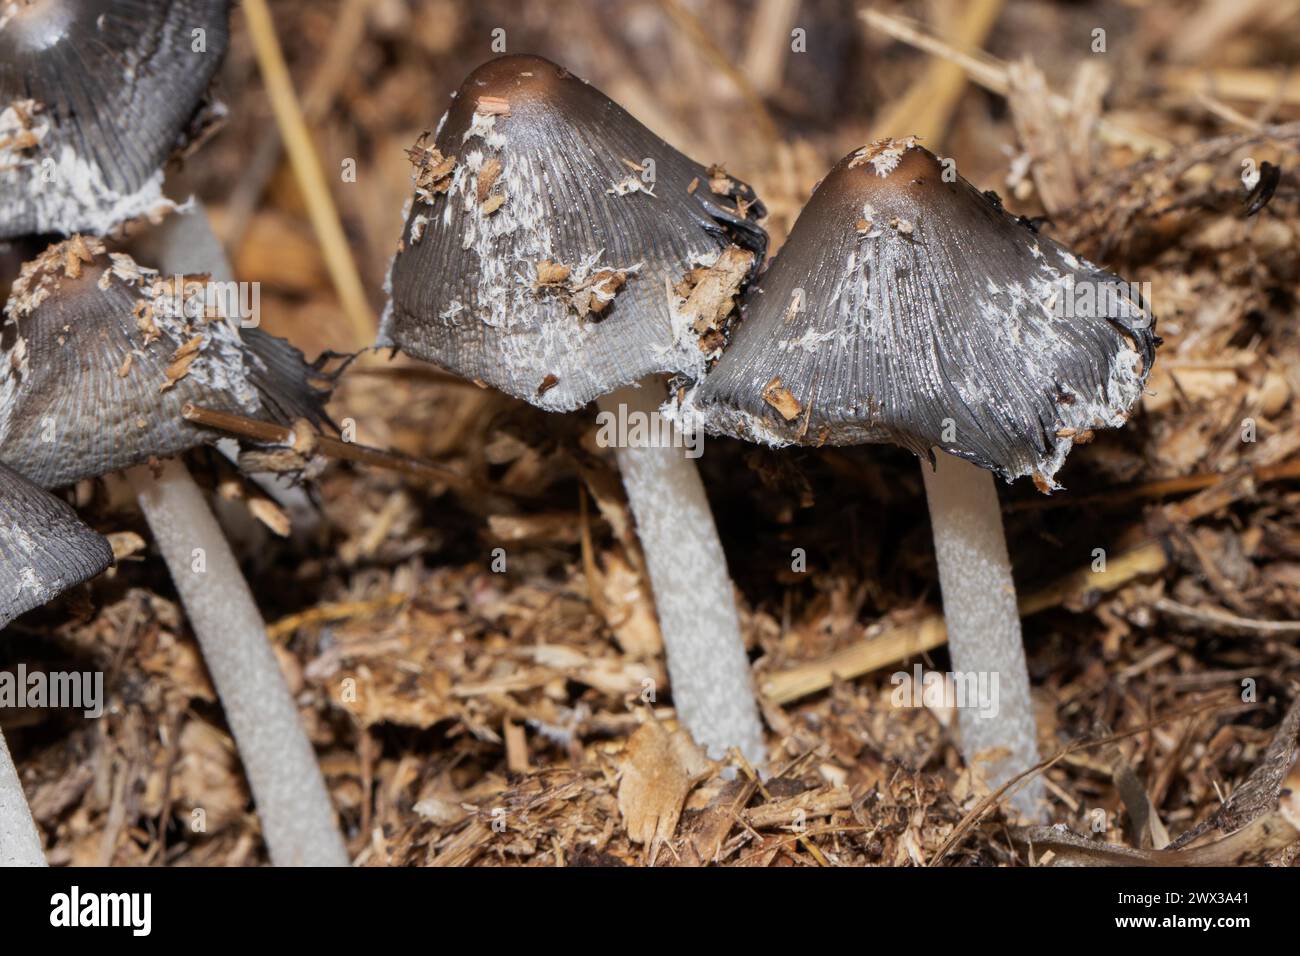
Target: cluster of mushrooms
column 557, row 250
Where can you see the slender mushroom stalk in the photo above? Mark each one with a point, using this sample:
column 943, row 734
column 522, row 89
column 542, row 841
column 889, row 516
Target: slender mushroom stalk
column 292, row 802
column 559, row 251
column 102, row 354
column 707, row 665
column 20, row 841
column 95, row 95
column 908, row 307
column 44, row 550
column 979, row 606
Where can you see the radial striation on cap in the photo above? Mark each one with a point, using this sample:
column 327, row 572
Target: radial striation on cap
column 44, row 547
column 95, row 96
column 549, row 238
column 908, row 307
column 98, row 355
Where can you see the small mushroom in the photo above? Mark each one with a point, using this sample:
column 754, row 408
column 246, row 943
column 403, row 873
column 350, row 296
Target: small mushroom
column 565, row 278
column 908, row 307
column 98, row 354
column 44, row 550
column 95, row 96
column 559, row 251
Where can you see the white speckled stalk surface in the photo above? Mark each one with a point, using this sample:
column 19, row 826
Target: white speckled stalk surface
column 20, row 843
column 712, row 687
column 297, row 818
column 979, row 607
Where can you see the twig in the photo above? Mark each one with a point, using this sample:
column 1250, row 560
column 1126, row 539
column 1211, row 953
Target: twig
column 336, row 611
column 925, row 110
column 753, row 777
column 695, row 31
column 272, row 433
column 1160, row 488
column 307, row 169
column 991, row 73
column 335, row 66
column 1251, row 85
column 908, row 640
column 1220, row 621
column 995, row 797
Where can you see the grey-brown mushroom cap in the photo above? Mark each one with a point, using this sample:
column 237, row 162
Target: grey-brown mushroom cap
column 44, row 547
column 908, row 307
column 98, row 355
column 95, row 95
column 543, row 261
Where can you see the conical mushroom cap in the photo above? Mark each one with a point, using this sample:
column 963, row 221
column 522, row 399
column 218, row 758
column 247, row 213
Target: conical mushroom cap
column 543, row 256
column 908, row 307
column 99, row 354
column 44, row 547
column 94, row 97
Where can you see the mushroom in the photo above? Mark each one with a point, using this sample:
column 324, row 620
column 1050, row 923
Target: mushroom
column 95, row 95
column 908, row 307
column 98, row 355
column 559, row 251
column 44, row 550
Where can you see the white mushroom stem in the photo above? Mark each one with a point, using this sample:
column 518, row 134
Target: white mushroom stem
column 708, row 669
column 984, row 642
column 292, row 802
column 297, row 819
column 20, row 841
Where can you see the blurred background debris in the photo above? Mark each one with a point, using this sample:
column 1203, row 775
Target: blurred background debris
column 476, row 658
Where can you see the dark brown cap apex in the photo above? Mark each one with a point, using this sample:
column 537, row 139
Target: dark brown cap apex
column 554, row 241
column 98, row 355
column 44, row 547
column 95, row 95
column 908, row 307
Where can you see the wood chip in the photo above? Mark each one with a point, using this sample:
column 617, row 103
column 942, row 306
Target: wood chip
column 488, row 174
column 780, row 398
column 493, row 106
column 270, row 514
column 552, row 273
column 658, row 771
column 182, row 359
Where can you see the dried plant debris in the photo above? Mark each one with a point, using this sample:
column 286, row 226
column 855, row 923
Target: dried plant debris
column 98, row 354
column 586, row 292
column 535, row 190
column 44, row 547
column 658, row 771
column 1259, row 822
column 704, row 301
column 95, row 95
column 908, row 308
column 432, row 176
